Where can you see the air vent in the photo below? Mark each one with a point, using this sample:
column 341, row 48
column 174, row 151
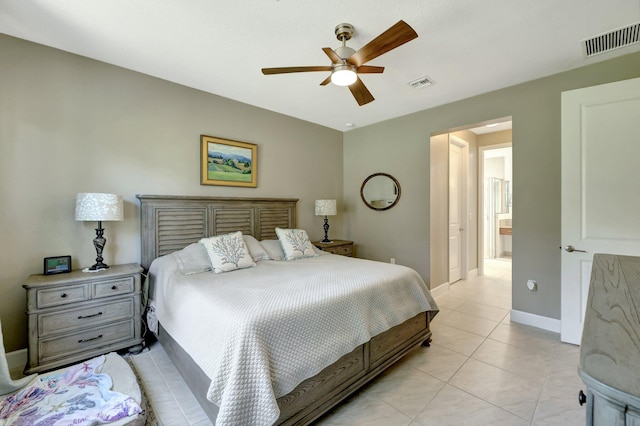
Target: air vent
column 421, row 82
column 611, row 40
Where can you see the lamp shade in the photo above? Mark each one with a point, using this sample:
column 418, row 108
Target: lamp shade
column 98, row 207
column 326, row 208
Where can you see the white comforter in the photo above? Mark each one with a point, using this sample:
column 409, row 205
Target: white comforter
column 258, row 332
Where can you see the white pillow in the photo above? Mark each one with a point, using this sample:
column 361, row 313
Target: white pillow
column 273, row 249
column 256, row 250
column 227, row 252
column 192, row 259
column 295, row 243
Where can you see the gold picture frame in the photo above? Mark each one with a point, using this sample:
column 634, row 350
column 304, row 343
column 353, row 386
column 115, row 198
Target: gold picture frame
column 227, row 162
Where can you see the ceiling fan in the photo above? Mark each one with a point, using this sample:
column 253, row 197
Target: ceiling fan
column 347, row 63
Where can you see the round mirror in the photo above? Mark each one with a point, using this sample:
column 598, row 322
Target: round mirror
column 380, row 191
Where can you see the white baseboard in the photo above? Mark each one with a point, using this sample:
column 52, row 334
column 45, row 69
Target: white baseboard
column 545, row 323
column 17, row 360
column 472, row 273
column 440, row 290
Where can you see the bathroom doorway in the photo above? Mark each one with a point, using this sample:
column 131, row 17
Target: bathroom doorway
column 495, row 196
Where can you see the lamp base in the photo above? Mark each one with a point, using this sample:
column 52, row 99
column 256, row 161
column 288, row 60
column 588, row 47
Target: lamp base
column 99, row 242
column 326, row 231
column 99, row 267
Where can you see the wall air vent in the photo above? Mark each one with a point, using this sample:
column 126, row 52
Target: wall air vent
column 611, row 40
column 421, row 82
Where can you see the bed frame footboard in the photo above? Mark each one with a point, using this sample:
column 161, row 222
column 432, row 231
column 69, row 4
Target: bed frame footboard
column 317, row 395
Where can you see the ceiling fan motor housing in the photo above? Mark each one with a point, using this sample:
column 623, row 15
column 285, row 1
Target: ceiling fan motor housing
column 344, row 52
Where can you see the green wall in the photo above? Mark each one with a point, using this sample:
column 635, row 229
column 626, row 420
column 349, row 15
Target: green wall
column 400, row 147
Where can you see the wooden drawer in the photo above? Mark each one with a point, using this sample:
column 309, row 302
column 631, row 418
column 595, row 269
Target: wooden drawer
column 61, row 295
column 78, row 342
column 315, row 390
column 386, row 343
column 340, row 247
column 64, row 321
column 112, row 287
column 344, row 250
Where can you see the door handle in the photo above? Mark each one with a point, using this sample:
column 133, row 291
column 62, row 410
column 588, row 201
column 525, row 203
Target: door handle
column 571, row 249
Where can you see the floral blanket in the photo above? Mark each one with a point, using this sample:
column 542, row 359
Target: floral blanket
column 76, row 396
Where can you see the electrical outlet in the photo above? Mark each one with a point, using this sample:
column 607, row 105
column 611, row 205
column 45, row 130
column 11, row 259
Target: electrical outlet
column 392, row 260
column 532, row 285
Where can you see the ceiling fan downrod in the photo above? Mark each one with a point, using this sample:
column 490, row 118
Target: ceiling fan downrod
column 343, row 33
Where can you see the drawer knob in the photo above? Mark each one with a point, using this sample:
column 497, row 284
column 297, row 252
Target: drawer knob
column 89, row 340
column 114, row 287
column 63, row 295
column 582, row 398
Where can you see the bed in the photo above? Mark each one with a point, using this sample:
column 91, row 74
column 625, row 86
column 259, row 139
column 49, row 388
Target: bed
column 171, row 223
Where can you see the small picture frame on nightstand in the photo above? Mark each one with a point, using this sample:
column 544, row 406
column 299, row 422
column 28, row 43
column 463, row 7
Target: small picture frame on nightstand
column 57, row 265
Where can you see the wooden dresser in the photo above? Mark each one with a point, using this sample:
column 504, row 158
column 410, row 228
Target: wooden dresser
column 78, row 315
column 610, row 347
column 341, row 247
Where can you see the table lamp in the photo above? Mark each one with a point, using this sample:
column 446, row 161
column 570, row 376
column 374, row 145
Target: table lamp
column 99, row 207
column 326, row 208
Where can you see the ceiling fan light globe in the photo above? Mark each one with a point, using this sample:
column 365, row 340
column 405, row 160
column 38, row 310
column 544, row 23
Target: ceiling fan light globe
column 343, row 76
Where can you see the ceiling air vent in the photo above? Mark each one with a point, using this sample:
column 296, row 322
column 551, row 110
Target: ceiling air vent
column 421, row 82
column 611, row 40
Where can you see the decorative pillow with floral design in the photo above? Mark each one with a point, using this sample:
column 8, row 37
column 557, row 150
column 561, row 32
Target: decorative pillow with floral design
column 295, row 243
column 227, row 252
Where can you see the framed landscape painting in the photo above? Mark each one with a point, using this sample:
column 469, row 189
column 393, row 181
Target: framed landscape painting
column 228, row 163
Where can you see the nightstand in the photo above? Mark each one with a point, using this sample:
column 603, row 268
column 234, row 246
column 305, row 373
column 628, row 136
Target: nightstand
column 78, row 315
column 342, row 247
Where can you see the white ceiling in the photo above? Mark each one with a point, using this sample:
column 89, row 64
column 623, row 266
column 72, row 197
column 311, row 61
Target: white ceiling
column 467, row 47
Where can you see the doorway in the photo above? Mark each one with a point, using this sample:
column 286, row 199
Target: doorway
column 495, row 197
column 444, row 188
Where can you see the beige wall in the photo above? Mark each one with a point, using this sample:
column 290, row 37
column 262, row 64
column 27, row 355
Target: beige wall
column 400, row 147
column 69, row 124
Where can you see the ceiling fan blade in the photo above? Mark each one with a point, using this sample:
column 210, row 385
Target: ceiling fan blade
column 284, row 70
column 370, row 69
column 397, row 35
column 361, row 93
column 326, row 81
column 332, row 55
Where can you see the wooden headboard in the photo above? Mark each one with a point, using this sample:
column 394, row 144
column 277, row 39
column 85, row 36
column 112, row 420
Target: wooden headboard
column 172, row 222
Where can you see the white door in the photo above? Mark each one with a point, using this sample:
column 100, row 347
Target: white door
column 600, row 187
column 455, row 212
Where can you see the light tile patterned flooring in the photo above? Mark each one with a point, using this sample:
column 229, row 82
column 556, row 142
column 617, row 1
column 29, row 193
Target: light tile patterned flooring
column 481, row 369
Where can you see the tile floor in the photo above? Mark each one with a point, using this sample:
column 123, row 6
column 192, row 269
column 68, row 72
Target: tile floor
column 481, row 369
